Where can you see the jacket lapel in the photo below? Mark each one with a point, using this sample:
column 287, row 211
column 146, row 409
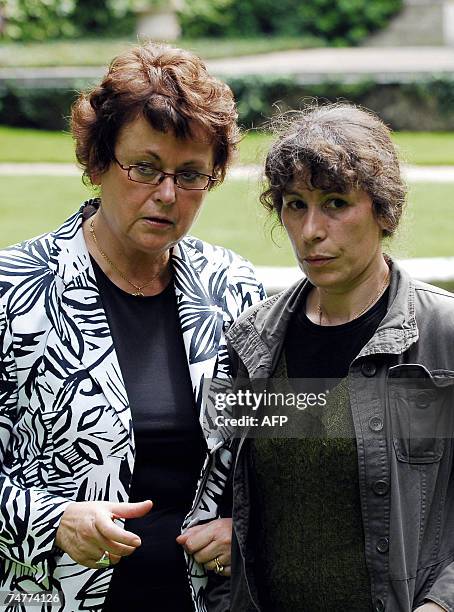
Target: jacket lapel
column 83, row 326
column 200, row 289
column 82, row 322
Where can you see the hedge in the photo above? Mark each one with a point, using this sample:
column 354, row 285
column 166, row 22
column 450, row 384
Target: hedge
column 36, row 20
column 337, row 22
column 422, row 105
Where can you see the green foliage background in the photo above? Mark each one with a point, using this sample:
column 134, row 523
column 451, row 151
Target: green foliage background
column 39, row 20
column 336, row 22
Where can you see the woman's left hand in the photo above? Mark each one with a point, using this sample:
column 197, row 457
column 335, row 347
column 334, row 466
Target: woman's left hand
column 430, row 606
column 208, row 542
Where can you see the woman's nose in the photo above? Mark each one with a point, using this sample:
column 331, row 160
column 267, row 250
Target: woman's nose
column 166, row 190
column 313, row 226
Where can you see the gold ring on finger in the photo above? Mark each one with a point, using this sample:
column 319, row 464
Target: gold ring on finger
column 104, row 561
column 218, row 567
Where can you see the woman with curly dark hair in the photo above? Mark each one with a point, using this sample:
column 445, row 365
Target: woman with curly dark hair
column 355, row 509
column 108, row 327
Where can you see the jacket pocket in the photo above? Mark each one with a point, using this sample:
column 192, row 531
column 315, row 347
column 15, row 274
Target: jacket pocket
column 421, row 407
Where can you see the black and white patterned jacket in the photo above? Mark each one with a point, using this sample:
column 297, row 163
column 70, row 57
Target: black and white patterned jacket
column 65, row 423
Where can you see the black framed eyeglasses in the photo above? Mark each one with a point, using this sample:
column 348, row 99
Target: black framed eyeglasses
column 149, row 175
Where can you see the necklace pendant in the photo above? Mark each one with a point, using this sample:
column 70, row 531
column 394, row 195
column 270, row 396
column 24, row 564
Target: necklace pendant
column 138, row 293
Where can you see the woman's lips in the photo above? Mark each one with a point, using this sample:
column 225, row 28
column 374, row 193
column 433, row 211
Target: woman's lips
column 158, row 221
column 318, row 261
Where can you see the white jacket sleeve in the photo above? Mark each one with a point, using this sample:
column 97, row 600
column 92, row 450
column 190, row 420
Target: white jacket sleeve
column 29, row 517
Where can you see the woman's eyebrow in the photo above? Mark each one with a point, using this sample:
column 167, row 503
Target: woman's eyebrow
column 190, row 162
column 194, row 163
column 151, row 154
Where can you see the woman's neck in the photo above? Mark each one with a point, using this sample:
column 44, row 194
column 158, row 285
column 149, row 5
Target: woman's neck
column 339, row 305
column 135, row 272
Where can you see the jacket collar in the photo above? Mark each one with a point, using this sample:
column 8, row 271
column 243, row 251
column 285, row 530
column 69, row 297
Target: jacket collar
column 83, row 321
column 398, row 330
column 258, row 336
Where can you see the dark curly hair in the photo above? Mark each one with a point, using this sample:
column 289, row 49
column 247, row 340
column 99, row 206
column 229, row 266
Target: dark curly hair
column 336, row 147
column 171, row 88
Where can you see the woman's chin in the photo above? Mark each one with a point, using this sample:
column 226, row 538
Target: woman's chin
column 320, row 277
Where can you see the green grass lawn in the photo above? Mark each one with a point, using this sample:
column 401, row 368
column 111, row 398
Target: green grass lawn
column 231, row 217
column 99, row 52
column 426, row 148
column 25, row 145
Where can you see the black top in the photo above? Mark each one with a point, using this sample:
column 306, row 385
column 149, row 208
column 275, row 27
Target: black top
column 305, row 497
column 326, row 351
column 169, row 445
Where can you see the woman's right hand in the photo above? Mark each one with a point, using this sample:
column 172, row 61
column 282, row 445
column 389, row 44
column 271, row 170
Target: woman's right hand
column 87, row 530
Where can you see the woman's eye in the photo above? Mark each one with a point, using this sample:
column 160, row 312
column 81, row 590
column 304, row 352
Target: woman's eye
column 146, row 170
column 295, row 204
column 336, row 203
column 188, row 176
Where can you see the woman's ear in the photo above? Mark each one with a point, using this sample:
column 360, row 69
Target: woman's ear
column 95, row 178
column 384, row 225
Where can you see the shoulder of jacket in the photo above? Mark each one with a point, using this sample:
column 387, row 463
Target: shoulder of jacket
column 42, row 247
column 22, row 254
column 437, row 298
column 261, row 308
column 216, row 255
column 25, row 265
column 434, row 306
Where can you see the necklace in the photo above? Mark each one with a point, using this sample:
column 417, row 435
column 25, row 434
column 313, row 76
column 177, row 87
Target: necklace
column 138, row 288
column 371, row 302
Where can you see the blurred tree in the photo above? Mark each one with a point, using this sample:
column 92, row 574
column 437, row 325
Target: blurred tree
column 50, row 19
column 104, row 17
column 37, row 20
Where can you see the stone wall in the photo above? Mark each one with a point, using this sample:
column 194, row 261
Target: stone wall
column 420, row 23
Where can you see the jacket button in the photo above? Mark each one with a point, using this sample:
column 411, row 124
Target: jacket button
column 424, row 399
column 379, row 605
column 376, row 423
column 383, row 545
column 380, row 487
column 368, row 368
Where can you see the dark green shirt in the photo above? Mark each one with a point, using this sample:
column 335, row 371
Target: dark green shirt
column 310, row 553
